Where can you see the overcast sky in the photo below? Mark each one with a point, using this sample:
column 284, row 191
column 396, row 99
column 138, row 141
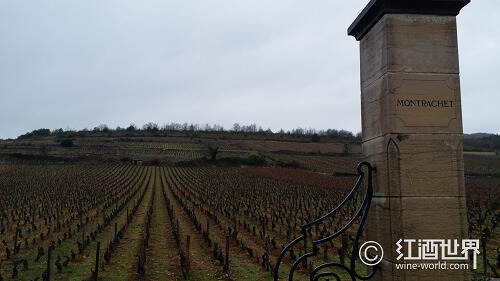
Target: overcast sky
column 279, row 63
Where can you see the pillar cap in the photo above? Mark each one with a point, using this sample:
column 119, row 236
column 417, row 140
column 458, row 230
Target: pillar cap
column 376, row 9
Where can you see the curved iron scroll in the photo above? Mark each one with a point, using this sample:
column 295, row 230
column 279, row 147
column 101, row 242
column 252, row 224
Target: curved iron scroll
column 361, row 214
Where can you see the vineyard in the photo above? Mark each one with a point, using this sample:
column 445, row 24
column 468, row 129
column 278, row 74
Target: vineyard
column 125, row 222
column 322, row 164
column 482, row 165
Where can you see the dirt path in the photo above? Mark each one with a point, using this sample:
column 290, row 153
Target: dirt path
column 123, row 264
column 203, row 266
column 162, row 257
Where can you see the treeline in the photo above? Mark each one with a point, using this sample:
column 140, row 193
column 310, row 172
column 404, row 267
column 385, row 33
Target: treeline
column 483, row 143
column 154, row 129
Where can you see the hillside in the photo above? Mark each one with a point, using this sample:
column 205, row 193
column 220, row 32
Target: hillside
column 334, row 153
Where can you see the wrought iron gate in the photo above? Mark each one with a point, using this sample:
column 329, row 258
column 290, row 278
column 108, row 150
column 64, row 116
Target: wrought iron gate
column 360, row 214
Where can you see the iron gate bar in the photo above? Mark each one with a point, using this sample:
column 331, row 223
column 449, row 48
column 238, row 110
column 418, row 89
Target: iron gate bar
column 362, row 213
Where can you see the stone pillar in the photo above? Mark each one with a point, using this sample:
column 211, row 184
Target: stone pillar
column 412, row 126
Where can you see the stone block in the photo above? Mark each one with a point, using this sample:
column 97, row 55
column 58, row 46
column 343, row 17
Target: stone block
column 402, row 43
column 394, row 218
column 417, row 164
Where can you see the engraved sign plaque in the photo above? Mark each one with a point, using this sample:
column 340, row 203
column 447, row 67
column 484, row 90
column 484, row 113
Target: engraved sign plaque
column 425, row 103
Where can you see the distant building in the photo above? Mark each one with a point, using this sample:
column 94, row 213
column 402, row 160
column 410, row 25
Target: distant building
column 137, row 161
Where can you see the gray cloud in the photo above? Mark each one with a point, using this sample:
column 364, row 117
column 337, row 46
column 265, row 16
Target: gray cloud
column 281, row 64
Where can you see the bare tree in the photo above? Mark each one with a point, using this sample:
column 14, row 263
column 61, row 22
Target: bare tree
column 212, row 151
